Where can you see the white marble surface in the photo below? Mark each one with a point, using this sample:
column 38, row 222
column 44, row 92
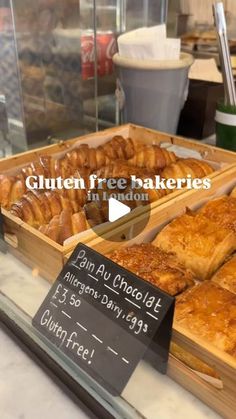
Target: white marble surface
column 26, row 391
column 152, row 394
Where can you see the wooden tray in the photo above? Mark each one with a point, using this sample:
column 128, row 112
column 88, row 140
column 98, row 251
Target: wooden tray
column 42, row 253
column 223, row 400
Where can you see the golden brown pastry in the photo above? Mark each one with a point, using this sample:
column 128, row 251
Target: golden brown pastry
column 191, row 361
column 65, row 225
column 120, row 148
column 95, row 158
column 184, row 167
column 37, row 208
column 152, row 157
column 82, row 157
column 209, row 312
column 94, row 213
column 199, row 244
column 155, row 266
column 11, row 189
column 226, row 275
column 121, row 169
column 222, row 211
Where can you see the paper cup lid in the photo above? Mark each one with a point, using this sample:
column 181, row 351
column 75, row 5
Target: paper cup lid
column 186, row 60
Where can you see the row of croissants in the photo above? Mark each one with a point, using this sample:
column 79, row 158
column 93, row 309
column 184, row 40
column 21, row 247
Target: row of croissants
column 62, row 213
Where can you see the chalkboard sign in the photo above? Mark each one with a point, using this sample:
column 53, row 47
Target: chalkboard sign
column 106, row 319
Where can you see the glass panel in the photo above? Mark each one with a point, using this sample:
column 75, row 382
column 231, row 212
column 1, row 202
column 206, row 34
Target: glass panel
column 112, row 18
column 41, row 76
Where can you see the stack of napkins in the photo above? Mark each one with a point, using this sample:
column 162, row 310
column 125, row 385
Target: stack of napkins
column 149, row 44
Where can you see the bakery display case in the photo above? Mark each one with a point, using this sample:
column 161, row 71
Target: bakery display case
column 31, row 259
column 199, row 360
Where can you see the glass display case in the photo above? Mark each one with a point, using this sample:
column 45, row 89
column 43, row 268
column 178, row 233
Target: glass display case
column 56, row 74
column 56, row 82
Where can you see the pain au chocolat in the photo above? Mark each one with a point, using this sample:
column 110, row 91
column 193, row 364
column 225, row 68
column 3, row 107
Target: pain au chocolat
column 155, row 266
column 199, row 244
column 208, row 311
column 222, row 211
column 226, row 275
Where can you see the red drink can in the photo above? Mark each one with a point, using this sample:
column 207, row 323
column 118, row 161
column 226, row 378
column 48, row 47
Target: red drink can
column 87, row 55
column 106, row 48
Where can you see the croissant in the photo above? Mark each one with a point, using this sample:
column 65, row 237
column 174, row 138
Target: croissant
column 92, row 158
column 184, row 167
column 65, row 225
column 120, row 148
column 37, row 208
column 121, row 169
column 83, row 158
column 152, row 157
column 95, row 213
column 11, row 189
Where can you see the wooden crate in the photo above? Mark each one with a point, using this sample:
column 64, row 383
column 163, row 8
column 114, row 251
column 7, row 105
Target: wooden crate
column 40, row 252
column 221, row 398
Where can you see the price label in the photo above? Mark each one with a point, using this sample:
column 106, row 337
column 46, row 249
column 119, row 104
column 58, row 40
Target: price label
column 106, row 319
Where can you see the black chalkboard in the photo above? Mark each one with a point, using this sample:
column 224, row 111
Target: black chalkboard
column 106, row 319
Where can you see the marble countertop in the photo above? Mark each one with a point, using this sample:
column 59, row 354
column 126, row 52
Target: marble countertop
column 27, row 392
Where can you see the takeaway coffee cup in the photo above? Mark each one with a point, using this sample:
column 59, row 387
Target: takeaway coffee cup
column 154, row 92
column 226, row 126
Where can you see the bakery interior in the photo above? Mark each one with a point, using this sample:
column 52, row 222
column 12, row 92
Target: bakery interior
column 119, row 88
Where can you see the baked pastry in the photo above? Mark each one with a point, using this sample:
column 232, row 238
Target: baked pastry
column 95, row 158
column 65, row 225
column 37, row 208
column 121, row 169
column 155, row 266
column 152, row 157
column 83, row 157
column 120, row 148
column 191, row 361
column 199, row 244
column 11, row 189
column 95, row 213
column 187, row 167
column 209, row 312
column 226, row 275
column 222, row 211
